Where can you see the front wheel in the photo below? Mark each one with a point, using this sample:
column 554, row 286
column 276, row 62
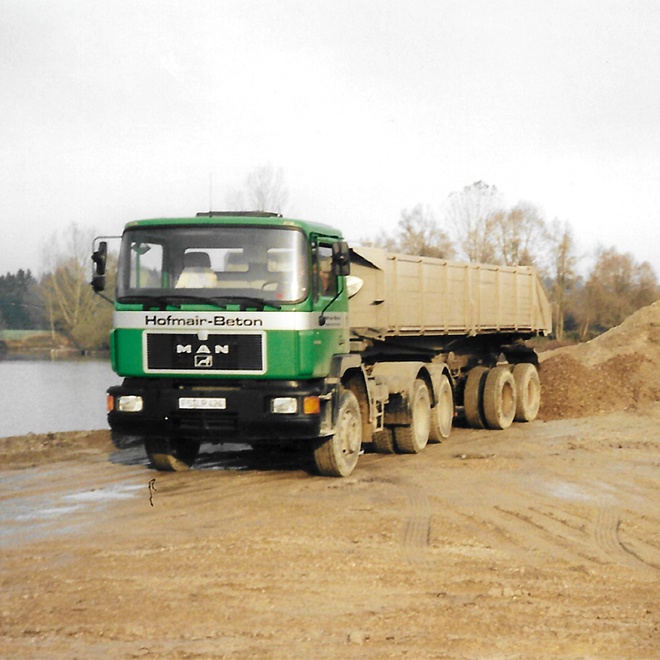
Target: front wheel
column 338, row 455
column 171, row 454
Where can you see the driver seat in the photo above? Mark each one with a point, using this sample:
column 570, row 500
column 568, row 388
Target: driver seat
column 197, row 273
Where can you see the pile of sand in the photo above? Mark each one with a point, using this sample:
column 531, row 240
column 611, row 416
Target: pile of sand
column 619, row 370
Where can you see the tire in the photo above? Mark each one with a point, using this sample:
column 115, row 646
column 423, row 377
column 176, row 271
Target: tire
column 337, row 455
column 384, row 441
column 473, row 397
column 442, row 414
column 499, row 398
column 528, row 389
column 171, row 454
column 413, row 438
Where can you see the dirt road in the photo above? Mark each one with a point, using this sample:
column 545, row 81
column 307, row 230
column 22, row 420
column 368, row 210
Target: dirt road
column 542, row 541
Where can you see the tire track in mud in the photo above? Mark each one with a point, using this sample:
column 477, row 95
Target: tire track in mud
column 532, row 529
column 606, row 535
column 547, row 529
column 529, row 532
column 417, row 526
column 415, row 535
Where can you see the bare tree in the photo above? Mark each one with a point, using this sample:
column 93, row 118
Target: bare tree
column 520, row 235
column 563, row 271
column 418, row 232
column 471, row 213
column 70, row 304
column 616, row 287
column 264, row 189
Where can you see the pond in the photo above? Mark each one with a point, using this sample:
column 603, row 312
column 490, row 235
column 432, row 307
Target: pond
column 42, row 396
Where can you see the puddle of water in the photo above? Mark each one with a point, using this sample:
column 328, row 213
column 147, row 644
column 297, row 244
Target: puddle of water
column 33, row 516
column 117, row 492
column 567, row 491
column 46, row 513
column 595, row 491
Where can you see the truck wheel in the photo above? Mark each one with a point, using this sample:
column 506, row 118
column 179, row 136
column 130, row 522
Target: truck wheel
column 337, row 455
column 412, row 439
column 473, row 397
column 171, row 454
column 442, row 414
column 499, row 398
column 528, row 390
column 384, row 441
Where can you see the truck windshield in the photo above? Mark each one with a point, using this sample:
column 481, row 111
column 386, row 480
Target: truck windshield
column 214, row 262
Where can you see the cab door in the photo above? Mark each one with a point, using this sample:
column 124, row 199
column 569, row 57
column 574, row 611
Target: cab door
column 330, row 335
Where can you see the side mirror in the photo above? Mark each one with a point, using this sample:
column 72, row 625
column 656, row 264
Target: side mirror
column 341, row 258
column 99, row 257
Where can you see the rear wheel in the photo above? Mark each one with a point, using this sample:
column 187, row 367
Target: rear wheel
column 442, row 414
column 528, row 390
column 499, row 398
column 473, row 397
column 171, row 454
column 384, row 441
column 337, row 455
column 412, row 439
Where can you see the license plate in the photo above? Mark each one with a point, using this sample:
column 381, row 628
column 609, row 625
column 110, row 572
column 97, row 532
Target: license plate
column 201, row 403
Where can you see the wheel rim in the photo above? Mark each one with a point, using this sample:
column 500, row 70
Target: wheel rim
column 533, row 396
column 422, row 417
column 508, row 400
column 445, row 411
column 350, row 432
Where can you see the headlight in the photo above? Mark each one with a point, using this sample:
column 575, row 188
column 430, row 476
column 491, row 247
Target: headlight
column 130, row 403
column 284, row 405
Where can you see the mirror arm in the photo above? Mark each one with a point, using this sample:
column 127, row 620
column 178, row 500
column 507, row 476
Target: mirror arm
column 102, row 295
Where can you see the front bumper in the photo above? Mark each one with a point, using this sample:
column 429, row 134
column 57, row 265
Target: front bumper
column 246, row 416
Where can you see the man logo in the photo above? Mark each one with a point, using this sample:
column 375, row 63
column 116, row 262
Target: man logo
column 203, row 360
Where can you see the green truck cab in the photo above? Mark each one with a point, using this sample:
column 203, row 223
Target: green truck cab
column 232, row 327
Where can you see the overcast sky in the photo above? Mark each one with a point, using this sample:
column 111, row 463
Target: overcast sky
column 114, row 110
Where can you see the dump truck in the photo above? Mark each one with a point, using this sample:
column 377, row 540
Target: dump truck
column 255, row 328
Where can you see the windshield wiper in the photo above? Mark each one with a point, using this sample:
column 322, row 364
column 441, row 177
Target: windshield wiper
column 245, row 302
column 173, row 300
column 149, row 301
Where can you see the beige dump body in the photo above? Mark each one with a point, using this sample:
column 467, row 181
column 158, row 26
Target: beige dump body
column 404, row 295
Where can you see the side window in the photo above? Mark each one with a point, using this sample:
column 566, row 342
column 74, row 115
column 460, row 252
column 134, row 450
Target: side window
column 146, row 266
column 325, row 281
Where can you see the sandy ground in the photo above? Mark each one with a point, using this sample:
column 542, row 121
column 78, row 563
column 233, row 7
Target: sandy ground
column 538, row 542
column 541, row 541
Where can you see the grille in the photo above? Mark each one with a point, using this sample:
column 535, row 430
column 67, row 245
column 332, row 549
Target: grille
column 206, row 423
column 217, row 353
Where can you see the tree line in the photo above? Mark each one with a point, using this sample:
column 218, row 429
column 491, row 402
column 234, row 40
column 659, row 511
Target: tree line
column 61, row 301
column 473, row 224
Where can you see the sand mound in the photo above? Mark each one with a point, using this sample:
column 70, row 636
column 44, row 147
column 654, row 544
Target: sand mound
column 618, row 370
